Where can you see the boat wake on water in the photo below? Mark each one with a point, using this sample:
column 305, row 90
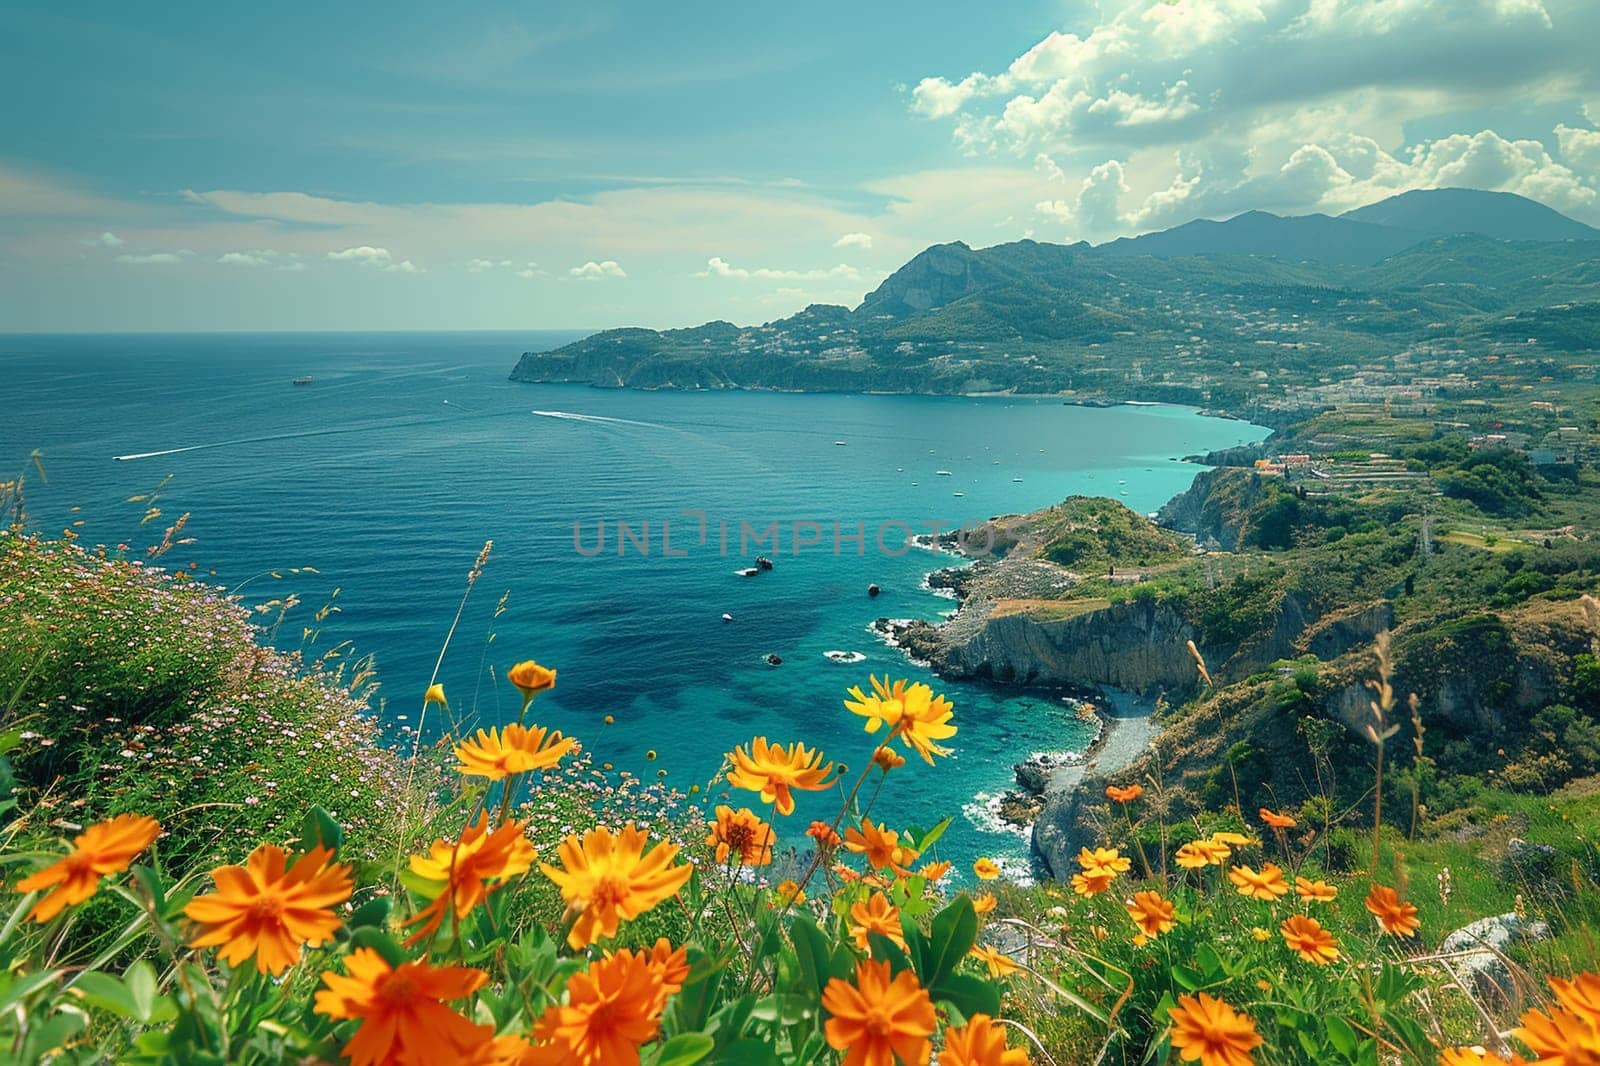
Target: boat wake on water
column 331, row 430
column 573, row 416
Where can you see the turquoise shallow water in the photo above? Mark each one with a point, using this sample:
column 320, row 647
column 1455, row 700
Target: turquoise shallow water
column 408, row 451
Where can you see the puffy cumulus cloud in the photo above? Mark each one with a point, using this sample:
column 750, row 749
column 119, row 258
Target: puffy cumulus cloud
column 154, row 258
column 377, row 258
column 717, row 267
column 521, row 270
column 262, row 257
column 593, row 271
column 854, row 240
column 1208, row 107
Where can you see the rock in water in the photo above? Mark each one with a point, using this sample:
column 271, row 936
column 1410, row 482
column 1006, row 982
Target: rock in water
column 873, row 590
column 774, row 659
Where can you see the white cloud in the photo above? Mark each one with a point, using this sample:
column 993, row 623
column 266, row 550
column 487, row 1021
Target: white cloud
column 854, row 240
column 262, row 257
column 1218, row 106
column 105, row 240
column 592, row 271
column 155, row 258
column 378, row 258
column 478, row 266
column 717, row 267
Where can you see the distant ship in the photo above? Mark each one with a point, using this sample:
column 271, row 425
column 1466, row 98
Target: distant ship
column 303, row 381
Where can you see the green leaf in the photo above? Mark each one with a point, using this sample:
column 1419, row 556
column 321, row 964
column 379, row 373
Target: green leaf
column 380, row 941
column 319, row 830
column 884, row 948
column 955, row 930
column 784, row 1009
column 968, row 994
column 1341, row 1036
column 141, row 982
column 52, row 1034
column 107, row 993
column 810, row 953
column 933, row 835
column 374, row 912
column 14, row 990
column 747, row 1053
column 685, row 1049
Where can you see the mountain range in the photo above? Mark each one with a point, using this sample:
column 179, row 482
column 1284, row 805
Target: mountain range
column 1445, row 269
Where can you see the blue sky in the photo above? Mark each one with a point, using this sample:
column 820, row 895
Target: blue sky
column 292, row 166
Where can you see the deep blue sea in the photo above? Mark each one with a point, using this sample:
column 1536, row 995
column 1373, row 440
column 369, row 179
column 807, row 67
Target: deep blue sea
column 388, row 472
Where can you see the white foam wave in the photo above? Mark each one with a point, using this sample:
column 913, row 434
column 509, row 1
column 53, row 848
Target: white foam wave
column 574, row 416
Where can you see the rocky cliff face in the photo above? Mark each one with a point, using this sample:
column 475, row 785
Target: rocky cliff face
column 1214, row 508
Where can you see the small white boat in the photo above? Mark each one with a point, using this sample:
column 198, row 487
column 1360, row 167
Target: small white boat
column 944, row 473
column 749, row 571
column 727, row 617
column 841, row 443
column 958, row 494
column 1016, row 481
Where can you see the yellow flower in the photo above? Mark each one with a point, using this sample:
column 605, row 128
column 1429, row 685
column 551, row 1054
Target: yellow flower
column 462, row 870
column 610, row 879
column 1208, row 1030
column 980, row 1042
column 1397, row 918
column 1261, row 935
column 1091, row 884
column 402, row 1011
column 986, row 869
column 912, row 713
column 1267, row 885
column 530, row 679
column 435, row 694
column 789, row 893
column 984, row 902
column 1306, row 938
column 881, row 845
column 1314, row 891
column 774, row 771
column 743, row 835
column 877, row 1019
column 1200, row 853
column 1229, row 839
column 495, row 754
column 998, row 962
column 886, row 758
column 1103, row 861
column 1151, row 913
column 269, row 909
column 876, row 915
column 104, row 848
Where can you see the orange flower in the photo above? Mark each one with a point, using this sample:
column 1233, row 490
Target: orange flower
column 876, row 915
column 1397, row 918
column 1581, row 995
column 880, row 844
column 1306, row 938
column 1277, row 821
column 1091, row 884
column 1102, row 862
column 775, row 771
column 789, row 893
column 1206, row 1029
column 1470, row 1056
column 530, row 679
column 461, row 870
column 980, row 1042
column 984, row 903
column 104, row 848
column 1560, row 1038
column 1267, row 886
column 1314, row 891
column 743, row 835
column 495, row 754
column 986, row 869
column 824, row 835
column 402, row 1011
column 887, row 758
column 609, row 879
column 671, row 967
column 912, row 713
column 998, row 962
column 265, row 910
column 1228, row 838
column 1200, row 853
column 612, row 1009
column 1124, row 795
column 933, row 871
column 875, row 1019
column 1151, row 913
